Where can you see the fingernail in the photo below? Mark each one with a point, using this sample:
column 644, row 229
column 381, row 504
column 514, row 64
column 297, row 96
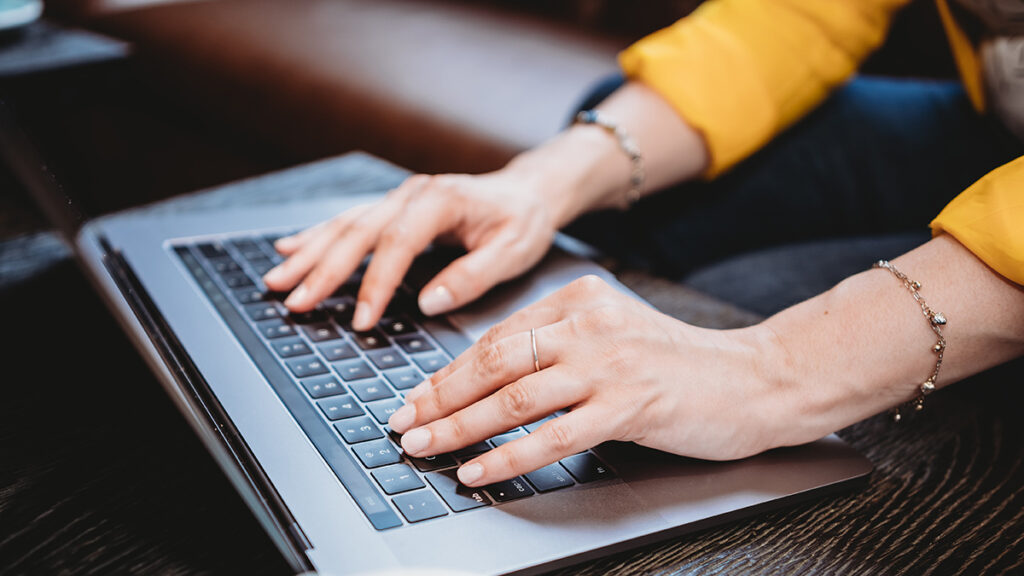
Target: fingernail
column 297, row 297
column 470, row 473
column 420, row 389
column 284, row 243
column 273, row 275
column 414, row 441
column 436, row 301
column 361, row 318
column 403, row 418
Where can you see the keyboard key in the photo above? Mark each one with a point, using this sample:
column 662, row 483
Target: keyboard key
column 403, row 379
column 237, row 280
column 341, row 307
column 320, row 331
column 371, row 340
column 243, row 244
column 472, row 451
column 355, row 430
column 271, row 329
column 386, row 358
column 396, row 479
column 249, row 295
column 261, row 266
column 291, row 347
column 430, row 363
column 421, row 505
column 507, row 437
column 414, row 344
column 383, row 409
column 337, row 350
column 323, row 387
column 306, row 366
column 354, row 370
column 310, row 317
column 225, row 266
column 370, row 390
column 262, row 311
column 396, row 326
column 431, row 463
column 586, row 468
column 340, row 407
column 509, row 490
column 376, row 453
column 212, row 250
column 550, row 477
column 252, row 253
column 458, row 497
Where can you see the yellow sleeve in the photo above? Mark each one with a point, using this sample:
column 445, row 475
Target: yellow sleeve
column 740, row 71
column 988, row 218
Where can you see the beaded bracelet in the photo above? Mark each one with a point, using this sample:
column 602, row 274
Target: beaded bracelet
column 936, row 320
column 626, row 143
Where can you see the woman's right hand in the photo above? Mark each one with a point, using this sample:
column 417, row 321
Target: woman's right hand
column 501, row 218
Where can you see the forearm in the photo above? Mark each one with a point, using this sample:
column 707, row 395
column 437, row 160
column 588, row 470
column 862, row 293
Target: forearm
column 584, row 169
column 864, row 346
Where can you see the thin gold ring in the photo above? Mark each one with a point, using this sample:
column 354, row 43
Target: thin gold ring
column 533, row 344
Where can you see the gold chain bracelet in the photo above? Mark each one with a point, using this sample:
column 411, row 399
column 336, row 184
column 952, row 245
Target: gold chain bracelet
column 626, row 144
column 936, row 320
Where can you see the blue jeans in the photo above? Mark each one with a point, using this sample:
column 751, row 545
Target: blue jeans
column 857, row 180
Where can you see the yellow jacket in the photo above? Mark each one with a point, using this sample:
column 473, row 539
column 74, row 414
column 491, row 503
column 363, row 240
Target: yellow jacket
column 741, row 71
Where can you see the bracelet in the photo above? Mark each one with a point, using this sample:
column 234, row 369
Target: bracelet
column 626, row 143
column 936, row 320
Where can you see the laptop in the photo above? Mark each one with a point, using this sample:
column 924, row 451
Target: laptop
column 293, row 408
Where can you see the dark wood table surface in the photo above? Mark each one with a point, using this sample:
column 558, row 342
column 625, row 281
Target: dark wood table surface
column 99, row 474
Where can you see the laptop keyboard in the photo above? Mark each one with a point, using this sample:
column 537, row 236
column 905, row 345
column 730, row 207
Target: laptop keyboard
column 342, row 386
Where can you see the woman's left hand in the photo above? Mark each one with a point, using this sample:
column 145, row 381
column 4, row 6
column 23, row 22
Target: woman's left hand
column 625, row 371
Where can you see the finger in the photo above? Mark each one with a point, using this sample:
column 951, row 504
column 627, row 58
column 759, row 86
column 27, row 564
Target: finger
column 525, row 400
column 583, row 428
column 469, row 277
column 287, row 245
column 518, row 323
column 343, row 257
column 580, row 293
column 421, row 220
column 289, row 273
column 314, row 242
column 495, row 366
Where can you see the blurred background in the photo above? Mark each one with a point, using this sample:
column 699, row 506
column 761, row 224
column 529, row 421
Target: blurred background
column 136, row 100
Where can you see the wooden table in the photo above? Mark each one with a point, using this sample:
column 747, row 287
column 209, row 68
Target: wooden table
column 99, row 474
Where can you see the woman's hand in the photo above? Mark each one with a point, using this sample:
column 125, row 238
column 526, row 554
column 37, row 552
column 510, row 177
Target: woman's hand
column 501, row 218
column 626, row 371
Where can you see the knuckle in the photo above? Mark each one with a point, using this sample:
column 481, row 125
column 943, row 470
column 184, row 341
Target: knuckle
column 603, row 320
column 492, row 360
column 337, row 224
column 560, row 436
column 437, row 400
column 456, row 427
column 509, row 457
column 491, row 336
column 393, row 236
column 589, row 284
column 517, row 401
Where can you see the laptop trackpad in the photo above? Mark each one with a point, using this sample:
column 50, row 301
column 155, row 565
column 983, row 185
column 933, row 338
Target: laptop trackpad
column 686, row 490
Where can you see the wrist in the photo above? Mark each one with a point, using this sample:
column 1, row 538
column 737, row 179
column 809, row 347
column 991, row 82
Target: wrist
column 580, row 170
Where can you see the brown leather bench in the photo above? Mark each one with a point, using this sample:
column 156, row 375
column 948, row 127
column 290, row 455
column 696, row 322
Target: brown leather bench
column 433, row 86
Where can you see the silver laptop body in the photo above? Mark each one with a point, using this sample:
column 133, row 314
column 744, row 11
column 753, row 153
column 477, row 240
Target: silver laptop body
column 295, row 489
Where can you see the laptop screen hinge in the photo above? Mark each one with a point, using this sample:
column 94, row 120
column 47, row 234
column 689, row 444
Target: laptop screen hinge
column 206, row 405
